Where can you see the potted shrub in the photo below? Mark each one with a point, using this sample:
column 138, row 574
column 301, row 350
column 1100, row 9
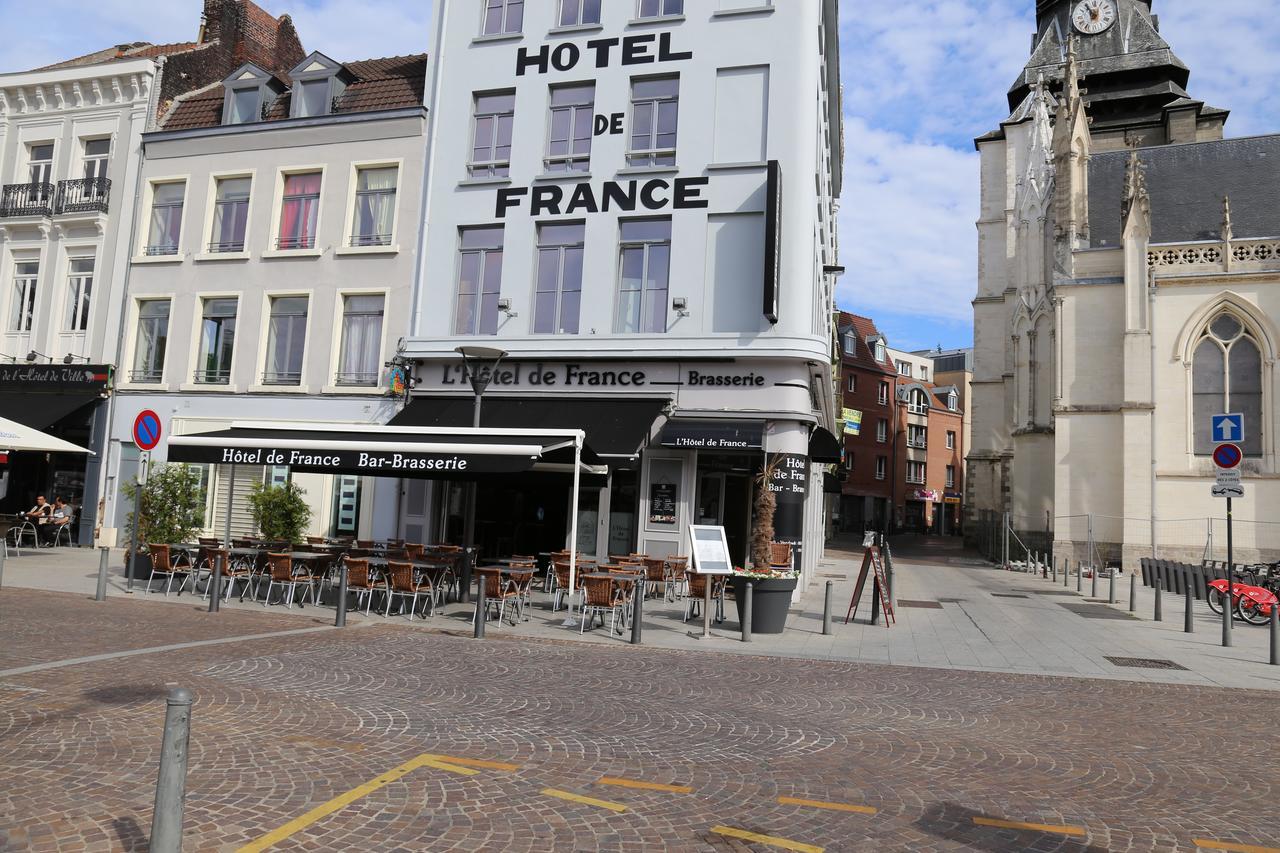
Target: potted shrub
column 280, row 512
column 771, row 588
column 172, row 505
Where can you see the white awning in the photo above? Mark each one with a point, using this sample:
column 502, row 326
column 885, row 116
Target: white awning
column 18, row 438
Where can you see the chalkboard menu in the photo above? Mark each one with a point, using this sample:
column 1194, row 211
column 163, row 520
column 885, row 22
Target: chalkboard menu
column 662, row 503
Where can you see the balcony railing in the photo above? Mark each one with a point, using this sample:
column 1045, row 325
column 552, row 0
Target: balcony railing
column 213, row 376
column 85, row 195
column 302, row 241
column 286, row 377
column 357, row 378
column 359, row 240
column 147, row 374
column 27, row 200
column 226, row 246
column 161, row 250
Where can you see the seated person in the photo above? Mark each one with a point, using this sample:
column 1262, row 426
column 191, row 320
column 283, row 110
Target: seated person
column 60, row 517
column 41, row 512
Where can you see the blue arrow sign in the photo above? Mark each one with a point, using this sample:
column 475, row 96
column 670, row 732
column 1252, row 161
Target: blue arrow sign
column 1228, row 427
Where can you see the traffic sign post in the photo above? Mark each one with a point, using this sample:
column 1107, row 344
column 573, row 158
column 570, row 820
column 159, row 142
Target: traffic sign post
column 1228, row 429
column 146, row 435
column 147, row 430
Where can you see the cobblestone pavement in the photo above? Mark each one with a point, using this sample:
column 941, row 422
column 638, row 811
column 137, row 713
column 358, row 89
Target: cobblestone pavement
column 502, row 745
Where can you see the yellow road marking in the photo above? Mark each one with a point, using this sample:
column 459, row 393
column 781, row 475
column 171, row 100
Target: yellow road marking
column 586, row 801
column 1207, row 844
column 474, row 762
column 771, row 840
column 822, row 804
column 644, row 786
column 1035, row 827
column 343, row 800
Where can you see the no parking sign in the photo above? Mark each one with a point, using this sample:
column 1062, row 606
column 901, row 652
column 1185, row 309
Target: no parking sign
column 147, row 430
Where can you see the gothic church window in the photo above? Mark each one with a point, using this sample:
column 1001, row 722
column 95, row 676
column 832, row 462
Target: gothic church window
column 1226, row 376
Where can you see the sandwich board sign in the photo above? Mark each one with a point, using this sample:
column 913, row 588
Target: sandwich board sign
column 710, row 550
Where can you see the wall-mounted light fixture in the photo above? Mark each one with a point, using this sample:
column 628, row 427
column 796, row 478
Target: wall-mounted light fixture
column 504, row 305
column 33, row 355
column 69, row 358
column 680, row 305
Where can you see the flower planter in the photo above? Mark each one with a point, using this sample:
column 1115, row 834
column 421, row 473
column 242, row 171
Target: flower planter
column 770, row 602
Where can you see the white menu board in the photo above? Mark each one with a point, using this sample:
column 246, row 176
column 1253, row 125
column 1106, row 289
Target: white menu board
column 710, row 550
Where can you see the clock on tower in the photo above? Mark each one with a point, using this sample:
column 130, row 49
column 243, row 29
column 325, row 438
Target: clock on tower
column 1093, row 16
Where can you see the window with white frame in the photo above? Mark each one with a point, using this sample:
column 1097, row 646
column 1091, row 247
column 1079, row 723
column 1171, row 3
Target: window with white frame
column 230, row 214
column 853, row 382
column 559, row 288
column 951, row 440
column 849, row 343
column 883, row 395
column 915, row 473
column 951, row 476
column 375, row 215
column 645, row 272
column 217, row 341
column 904, row 368
column 953, row 402
column 79, row 294
column 881, row 352
column 96, row 158
column 569, row 128
column 576, row 13
column 165, row 230
column 918, row 402
column 1226, row 376
column 882, row 467
column 917, row 436
column 40, row 163
column 152, row 341
column 882, row 430
column 502, row 17
column 660, row 8
column 492, row 117
column 22, row 296
column 245, row 105
column 360, row 356
column 299, row 211
column 655, row 106
column 479, row 280
column 286, row 340
column 924, row 373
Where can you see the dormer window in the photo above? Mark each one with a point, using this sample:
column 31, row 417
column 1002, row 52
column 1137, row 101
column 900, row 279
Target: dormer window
column 246, row 106
column 317, row 83
column 249, row 94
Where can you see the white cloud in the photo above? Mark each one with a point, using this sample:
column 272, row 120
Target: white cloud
column 348, row 31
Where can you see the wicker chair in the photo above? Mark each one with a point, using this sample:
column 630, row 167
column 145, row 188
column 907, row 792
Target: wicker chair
column 697, row 590
column 415, row 552
column 281, row 566
column 231, row 572
column 524, row 589
column 602, row 596
column 655, row 575
column 162, row 565
column 497, row 592
column 561, row 590
column 780, row 556
column 361, row 583
column 674, row 576
column 316, row 540
column 404, row 585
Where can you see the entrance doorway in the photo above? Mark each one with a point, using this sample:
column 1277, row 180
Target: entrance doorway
column 724, row 498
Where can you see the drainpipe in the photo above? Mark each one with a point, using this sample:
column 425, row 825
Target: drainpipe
column 1151, row 325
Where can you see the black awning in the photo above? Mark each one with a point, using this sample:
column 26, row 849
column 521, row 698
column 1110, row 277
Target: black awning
column 614, row 427
column 40, row 410
column 824, row 447
column 831, row 484
column 377, row 451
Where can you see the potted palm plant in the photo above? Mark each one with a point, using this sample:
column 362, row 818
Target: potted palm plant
column 772, row 581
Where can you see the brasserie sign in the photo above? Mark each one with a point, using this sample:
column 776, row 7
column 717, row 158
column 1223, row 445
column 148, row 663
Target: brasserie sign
column 576, row 375
column 340, row 460
column 56, row 377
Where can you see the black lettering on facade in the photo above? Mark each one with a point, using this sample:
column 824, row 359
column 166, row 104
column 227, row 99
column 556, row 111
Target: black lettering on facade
column 649, row 197
column 565, row 56
column 615, row 194
column 689, row 193
column 524, row 59
column 509, row 197
column 546, row 200
column 582, row 199
column 602, row 48
column 635, row 49
column 666, row 54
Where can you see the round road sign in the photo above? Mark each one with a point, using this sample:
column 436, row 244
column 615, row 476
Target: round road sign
column 146, row 430
column 1227, row 455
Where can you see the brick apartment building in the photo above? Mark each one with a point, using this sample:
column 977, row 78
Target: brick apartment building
column 904, row 437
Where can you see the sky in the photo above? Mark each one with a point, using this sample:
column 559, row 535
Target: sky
column 921, row 80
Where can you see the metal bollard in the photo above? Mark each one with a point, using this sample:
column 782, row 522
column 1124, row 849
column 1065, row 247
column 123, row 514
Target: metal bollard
column 826, row 609
column 1112, row 593
column 171, row 783
column 1093, row 585
column 340, row 619
column 1066, row 572
column 1053, row 571
column 2, row 556
column 481, row 608
column 215, row 585
column 637, row 612
column 1079, row 577
column 1133, row 593
column 1275, row 635
column 1159, row 602
column 1188, row 618
column 746, row 614
column 104, row 558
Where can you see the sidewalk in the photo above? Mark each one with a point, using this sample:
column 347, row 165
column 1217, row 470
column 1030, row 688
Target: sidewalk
column 954, row 612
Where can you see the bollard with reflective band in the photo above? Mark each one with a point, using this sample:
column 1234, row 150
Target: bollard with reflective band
column 340, row 618
column 481, row 607
column 171, row 784
column 1188, row 618
column 746, row 614
column 215, row 585
column 826, row 609
column 1133, row 593
column 104, row 558
column 1159, row 603
column 637, row 612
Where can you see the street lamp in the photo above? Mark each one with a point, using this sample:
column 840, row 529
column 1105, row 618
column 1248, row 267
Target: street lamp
column 479, row 365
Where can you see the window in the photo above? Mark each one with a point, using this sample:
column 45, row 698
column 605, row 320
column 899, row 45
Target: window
column 849, row 344
column 917, row 436
column 569, row 130
column 918, row 403
column 153, row 338
column 361, row 355
column 883, row 396
column 915, row 473
column 375, row 215
column 286, row 340
column 924, row 373
column 166, row 218
column 661, row 8
column 40, row 163
column 96, row 153
column 654, row 107
column 230, row 214
column 479, row 281
column 951, row 476
column 882, row 430
column 882, row 467
column 502, row 17
column 646, row 265
column 951, row 440
column 904, row 368
column 79, row 294
column 559, row 288
column 953, row 402
column 853, row 382
column 576, row 13
column 217, row 342
column 881, row 353
column 491, row 135
column 311, row 98
column 245, row 105
column 22, row 304
column 1226, row 376
column 299, row 211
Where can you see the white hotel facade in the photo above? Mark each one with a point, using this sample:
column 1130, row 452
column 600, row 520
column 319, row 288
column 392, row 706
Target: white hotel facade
column 636, row 201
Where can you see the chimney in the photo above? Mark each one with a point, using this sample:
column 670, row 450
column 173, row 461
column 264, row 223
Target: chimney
column 203, row 24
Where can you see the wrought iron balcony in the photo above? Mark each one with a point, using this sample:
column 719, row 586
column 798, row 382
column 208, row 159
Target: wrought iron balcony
column 357, row 378
column 282, row 377
column 27, row 199
column 302, row 241
column 225, row 246
column 147, row 374
column 361, row 240
column 213, row 376
column 84, row 195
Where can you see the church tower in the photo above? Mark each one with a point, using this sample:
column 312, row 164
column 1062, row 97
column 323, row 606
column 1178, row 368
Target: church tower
column 1099, row 78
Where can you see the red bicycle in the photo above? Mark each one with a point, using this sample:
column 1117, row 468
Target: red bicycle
column 1251, row 602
